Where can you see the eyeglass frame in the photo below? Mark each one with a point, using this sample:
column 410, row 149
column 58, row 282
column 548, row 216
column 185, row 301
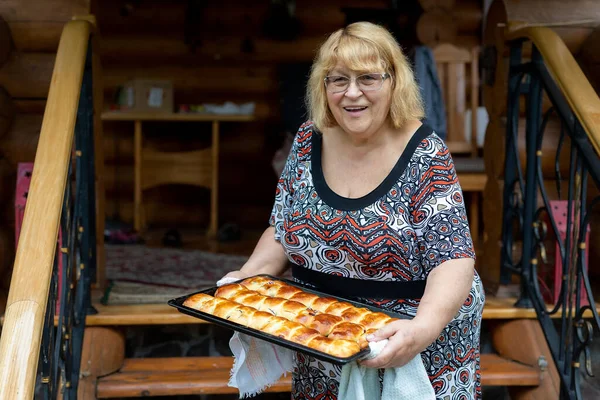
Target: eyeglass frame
column 384, row 76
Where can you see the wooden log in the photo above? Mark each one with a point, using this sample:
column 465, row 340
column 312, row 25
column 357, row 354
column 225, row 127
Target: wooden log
column 589, row 58
column 38, row 26
column 494, row 147
column 103, row 352
column 7, row 112
column 213, row 50
column 489, row 269
column 469, row 17
column 236, row 17
column 5, row 41
column 20, row 143
column 27, row 75
column 34, row 36
column 225, row 79
column 546, row 12
column 436, row 27
column 7, row 254
column 429, row 5
column 29, row 106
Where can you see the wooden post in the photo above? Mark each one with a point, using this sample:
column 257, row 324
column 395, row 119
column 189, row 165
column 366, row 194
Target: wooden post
column 7, row 112
column 214, row 194
column 137, row 196
column 99, row 163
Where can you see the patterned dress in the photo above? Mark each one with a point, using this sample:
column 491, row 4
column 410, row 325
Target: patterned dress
column 412, row 222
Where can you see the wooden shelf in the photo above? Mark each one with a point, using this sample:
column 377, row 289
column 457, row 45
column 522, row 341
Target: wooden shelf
column 192, row 117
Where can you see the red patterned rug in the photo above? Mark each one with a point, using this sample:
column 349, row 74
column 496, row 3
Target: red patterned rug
column 142, row 275
column 167, row 267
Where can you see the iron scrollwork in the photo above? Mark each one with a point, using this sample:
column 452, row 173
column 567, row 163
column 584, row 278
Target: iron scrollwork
column 529, row 221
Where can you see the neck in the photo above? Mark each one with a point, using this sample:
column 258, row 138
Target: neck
column 360, row 146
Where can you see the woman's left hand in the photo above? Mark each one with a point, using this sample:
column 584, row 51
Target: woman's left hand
column 407, row 338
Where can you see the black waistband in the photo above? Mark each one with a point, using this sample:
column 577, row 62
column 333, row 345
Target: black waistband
column 354, row 288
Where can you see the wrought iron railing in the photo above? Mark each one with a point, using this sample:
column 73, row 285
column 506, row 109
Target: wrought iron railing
column 528, row 217
column 49, row 297
column 60, row 356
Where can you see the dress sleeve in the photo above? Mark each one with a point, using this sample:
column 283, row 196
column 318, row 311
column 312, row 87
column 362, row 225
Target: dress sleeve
column 438, row 210
column 284, row 189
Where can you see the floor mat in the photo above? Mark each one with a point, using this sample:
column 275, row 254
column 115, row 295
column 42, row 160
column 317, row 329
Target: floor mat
column 167, row 267
column 138, row 274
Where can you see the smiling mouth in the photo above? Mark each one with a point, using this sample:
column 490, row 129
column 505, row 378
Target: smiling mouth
column 355, row 109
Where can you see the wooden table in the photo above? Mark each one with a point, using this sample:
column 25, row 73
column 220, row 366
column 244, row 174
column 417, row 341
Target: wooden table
column 153, row 168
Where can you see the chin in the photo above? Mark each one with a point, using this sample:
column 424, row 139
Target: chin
column 358, row 129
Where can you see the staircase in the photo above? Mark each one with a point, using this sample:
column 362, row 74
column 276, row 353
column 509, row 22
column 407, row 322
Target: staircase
column 141, row 377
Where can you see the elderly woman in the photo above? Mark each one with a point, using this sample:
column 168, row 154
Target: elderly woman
column 369, row 207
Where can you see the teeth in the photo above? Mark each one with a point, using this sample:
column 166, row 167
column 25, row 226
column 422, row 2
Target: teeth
column 354, row 108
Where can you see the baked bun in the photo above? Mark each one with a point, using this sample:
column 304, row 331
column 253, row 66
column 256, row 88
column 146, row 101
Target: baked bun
column 275, row 307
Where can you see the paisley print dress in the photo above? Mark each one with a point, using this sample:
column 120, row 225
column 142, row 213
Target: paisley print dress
column 412, row 222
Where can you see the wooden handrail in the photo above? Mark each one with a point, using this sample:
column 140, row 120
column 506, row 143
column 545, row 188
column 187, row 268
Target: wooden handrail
column 567, row 74
column 28, row 296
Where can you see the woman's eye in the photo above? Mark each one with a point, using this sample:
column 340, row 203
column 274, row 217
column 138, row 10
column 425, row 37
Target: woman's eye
column 338, row 80
column 368, row 79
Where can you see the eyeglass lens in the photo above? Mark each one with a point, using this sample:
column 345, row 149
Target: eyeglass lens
column 365, row 82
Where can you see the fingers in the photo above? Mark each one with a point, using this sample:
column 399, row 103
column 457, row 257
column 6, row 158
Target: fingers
column 232, row 277
column 384, row 333
column 387, row 357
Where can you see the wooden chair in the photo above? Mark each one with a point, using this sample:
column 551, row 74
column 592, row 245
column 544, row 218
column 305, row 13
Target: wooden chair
column 452, row 64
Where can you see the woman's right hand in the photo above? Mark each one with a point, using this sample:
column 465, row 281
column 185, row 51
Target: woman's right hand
column 236, row 275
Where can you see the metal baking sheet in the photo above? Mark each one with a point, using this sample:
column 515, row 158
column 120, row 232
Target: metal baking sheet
column 178, row 304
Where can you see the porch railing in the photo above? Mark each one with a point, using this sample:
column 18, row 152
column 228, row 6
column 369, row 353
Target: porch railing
column 55, row 262
column 527, row 214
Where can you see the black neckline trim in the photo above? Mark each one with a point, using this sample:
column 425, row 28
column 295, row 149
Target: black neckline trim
column 347, row 204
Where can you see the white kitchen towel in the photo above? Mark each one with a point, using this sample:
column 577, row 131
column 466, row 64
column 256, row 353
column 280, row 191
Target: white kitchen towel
column 409, row 382
column 257, row 363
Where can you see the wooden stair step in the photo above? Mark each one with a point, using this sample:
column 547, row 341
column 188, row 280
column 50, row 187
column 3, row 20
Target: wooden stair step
column 174, row 376
column 143, row 377
column 163, row 314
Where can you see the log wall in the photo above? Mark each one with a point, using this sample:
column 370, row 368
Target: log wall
column 29, row 36
column 233, row 59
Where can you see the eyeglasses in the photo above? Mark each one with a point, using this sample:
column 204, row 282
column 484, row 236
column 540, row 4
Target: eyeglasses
column 366, row 82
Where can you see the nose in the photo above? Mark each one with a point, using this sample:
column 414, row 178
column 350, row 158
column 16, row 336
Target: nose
column 353, row 90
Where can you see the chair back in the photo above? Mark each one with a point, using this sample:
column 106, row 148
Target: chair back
column 460, row 94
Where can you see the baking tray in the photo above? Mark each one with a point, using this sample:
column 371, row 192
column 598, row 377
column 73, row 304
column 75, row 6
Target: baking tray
column 178, row 304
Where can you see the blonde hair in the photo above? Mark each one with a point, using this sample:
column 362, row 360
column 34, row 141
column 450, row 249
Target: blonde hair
column 364, row 47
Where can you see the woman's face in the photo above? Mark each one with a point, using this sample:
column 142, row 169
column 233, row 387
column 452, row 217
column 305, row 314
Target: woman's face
column 360, row 113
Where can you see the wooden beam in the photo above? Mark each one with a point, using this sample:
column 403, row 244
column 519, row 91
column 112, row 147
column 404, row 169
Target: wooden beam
column 38, row 25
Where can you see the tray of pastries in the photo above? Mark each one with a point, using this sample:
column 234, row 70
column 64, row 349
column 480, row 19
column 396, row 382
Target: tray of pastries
column 291, row 315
